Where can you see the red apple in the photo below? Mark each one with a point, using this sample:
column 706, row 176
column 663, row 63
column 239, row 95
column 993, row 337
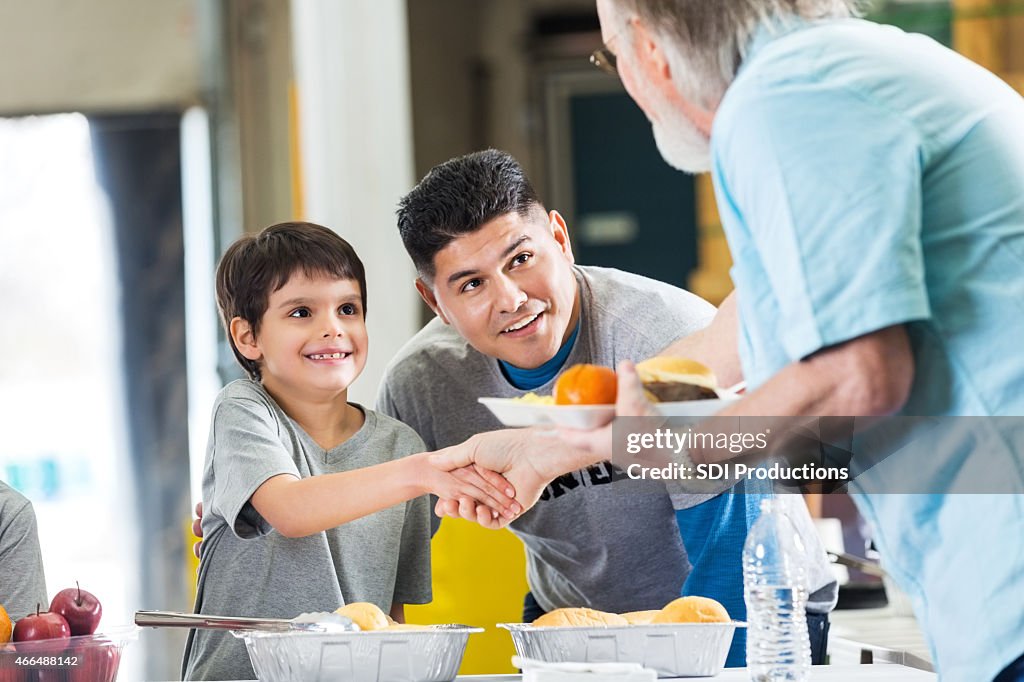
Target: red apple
column 41, row 625
column 96, row 664
column 80, row 609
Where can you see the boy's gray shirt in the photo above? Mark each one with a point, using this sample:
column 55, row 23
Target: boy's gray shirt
column 21, row 561
column 609, row 547
column 249, row 569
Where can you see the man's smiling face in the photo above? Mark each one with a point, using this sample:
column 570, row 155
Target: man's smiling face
column 508, row 288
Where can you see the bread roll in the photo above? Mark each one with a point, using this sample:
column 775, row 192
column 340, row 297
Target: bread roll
column 668, row 379
column 364, row 614
column 578, row 617
column 692, row 610
column 640, row 617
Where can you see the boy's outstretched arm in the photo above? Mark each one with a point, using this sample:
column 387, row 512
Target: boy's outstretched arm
column 297, row 507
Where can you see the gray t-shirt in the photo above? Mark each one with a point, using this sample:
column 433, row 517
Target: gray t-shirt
column 249, row 569
column 588, row 543
column 21, row 562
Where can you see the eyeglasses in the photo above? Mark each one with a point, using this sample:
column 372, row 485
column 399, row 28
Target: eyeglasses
column 604, row 59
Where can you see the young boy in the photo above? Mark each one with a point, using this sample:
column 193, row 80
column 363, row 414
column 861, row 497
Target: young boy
column 312, row 501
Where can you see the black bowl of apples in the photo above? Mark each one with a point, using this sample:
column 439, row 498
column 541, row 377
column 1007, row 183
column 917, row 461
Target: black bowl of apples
column 62, row 645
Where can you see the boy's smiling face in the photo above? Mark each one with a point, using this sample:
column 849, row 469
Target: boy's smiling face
column 312, row 340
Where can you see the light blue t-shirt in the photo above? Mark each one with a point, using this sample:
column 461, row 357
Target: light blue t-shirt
column 865, row 178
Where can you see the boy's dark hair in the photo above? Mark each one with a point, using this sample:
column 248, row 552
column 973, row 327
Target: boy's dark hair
column 257, row 265
column 458, row 197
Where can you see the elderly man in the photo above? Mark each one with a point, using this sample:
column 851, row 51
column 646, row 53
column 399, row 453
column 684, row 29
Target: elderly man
column 871, row 187
column 512, row 312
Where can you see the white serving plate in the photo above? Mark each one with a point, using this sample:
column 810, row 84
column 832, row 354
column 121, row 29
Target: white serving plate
column 511, row 412
column 671, row 649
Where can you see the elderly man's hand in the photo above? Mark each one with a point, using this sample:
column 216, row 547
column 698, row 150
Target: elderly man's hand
column 528, row 458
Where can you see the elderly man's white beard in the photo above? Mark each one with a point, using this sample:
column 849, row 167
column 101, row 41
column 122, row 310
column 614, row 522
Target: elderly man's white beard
column 681, row 144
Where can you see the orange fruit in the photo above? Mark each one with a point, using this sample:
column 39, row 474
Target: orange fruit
column 5, row 626
column 586, row 385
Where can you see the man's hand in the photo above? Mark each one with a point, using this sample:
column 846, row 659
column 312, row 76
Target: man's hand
column 197, row 530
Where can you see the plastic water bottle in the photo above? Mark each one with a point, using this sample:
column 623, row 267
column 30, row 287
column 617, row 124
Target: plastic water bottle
column 775, row 591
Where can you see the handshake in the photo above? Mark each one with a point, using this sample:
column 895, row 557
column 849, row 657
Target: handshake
column 530, row 458
column 493, row 477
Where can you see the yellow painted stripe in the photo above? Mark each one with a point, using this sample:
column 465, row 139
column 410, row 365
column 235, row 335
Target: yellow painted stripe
column 295, row 153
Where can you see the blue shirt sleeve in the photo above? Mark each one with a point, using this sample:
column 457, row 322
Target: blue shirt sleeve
column 826, row 185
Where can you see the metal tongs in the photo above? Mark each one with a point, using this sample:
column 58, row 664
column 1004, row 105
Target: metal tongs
column 851, row 561
column 306, row 622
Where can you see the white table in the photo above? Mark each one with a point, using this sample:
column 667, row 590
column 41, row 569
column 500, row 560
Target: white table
column 820, row 673
column 845, row 673
column 877, row 636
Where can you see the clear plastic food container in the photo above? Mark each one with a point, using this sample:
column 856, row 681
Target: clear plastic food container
column 671, row 649
column 429, row 655
column 88, row 658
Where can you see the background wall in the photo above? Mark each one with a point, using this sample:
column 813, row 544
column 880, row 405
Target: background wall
column 113, row 55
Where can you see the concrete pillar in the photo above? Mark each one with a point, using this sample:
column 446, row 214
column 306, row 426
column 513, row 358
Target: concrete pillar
column 354, row 123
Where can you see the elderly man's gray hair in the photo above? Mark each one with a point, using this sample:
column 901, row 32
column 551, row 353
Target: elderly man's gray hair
column 711, row 36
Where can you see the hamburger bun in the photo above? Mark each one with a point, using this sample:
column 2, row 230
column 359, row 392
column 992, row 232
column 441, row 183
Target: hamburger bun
column 640, row 617
column 669, row 379
column 578, row 617
column 586, row 385
column 364, row 614
column 692, row 610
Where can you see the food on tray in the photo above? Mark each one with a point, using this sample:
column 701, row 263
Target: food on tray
column 578, row 617
column 640, row 617
column 364, row 614
column 668, row 379
column 532, row 398
column 682, row 610
column 692, row 610
column 586, row 385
